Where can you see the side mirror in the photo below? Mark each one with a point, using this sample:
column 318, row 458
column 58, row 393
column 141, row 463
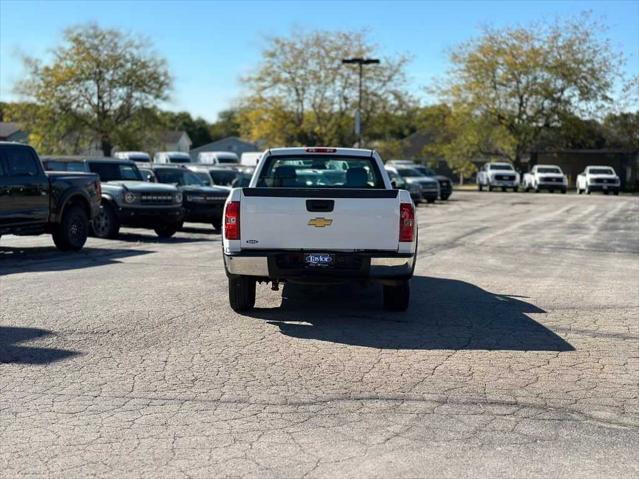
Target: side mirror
column 394, row 184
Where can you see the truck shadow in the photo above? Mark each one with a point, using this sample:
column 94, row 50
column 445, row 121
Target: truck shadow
column 12, row 352
column 444, row 314
column 26, row 260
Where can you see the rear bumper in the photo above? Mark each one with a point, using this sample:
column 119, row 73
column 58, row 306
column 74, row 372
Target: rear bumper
column 289, row 265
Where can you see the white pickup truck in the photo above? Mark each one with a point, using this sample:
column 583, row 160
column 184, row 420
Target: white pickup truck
column 319, row 215
column 545, row 177
column 598, row 178
column 497, row 175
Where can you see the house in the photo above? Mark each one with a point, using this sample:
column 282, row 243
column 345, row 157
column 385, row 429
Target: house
column 10, row 131
column 232, row 144
column 175, row 141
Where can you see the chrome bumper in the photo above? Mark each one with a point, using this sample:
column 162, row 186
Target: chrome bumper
column 376, row 266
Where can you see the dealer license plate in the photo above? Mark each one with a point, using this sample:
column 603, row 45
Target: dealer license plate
column 318, row 259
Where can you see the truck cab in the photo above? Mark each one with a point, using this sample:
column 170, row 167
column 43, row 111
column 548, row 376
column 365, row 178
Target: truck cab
column 319, row 215
column 34, row 202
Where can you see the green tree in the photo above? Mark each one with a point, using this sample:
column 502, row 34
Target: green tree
column 227, row 124
column 97, row 85
column 301, row 94
column 198, row 129
column 524, row 80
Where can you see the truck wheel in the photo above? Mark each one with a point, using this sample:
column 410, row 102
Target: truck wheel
column 430, row 200
column 490, row 188
column 616, row 192
column 480, row 187
column 396, row 298
column 588, row 190
column 72, row 232
column 445, row 197
column 563, row 191
column 241, row 293
column 166, row 230
column 106, row 224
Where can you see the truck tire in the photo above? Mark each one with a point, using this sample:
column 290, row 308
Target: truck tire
column 480, row 187
column 166, row 230
column 430, row 201
column 563, row 191
column 71, row 233
column 397, row 298
column 106, row 224
column 445, row 197
column 241, row 293
column 490, row 188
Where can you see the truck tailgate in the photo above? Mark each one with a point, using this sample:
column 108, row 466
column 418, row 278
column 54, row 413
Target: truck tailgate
column 321, row 220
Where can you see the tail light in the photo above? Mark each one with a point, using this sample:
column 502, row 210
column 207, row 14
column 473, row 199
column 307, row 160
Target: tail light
column 406, row 222
column 232, row 220
column 320, row 149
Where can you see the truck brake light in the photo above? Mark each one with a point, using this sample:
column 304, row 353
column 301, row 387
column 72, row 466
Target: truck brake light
column 232, row 220
column 320, row 149
column 406, row 222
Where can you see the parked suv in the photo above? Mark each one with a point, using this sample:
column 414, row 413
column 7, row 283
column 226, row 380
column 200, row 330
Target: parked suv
column 127, row 200
column 598, row 178
column 34, row 202
column 202, row 203
column 445, row 183
column 221, row 176
column 430, row 186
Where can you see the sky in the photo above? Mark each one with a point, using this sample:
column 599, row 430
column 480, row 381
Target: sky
column 210, row 45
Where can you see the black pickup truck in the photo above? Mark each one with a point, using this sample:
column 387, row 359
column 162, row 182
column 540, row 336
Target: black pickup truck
column 33, row 202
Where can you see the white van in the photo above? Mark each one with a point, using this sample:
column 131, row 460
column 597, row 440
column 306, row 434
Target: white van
column 251, row 158
column 171, row 157
column 217, row 158
column 137, row 156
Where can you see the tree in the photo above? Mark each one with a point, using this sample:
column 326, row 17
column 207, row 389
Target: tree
column 98, row 83
column 227, row 124
column 301, row 94
column 198, row 129
column 526, row 80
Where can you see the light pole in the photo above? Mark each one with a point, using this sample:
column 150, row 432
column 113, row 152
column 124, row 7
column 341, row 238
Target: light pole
column 358, row 117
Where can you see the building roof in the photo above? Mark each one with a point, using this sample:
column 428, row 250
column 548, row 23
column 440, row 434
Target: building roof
column 173, row 136
column 8, row 128
column 216, row 145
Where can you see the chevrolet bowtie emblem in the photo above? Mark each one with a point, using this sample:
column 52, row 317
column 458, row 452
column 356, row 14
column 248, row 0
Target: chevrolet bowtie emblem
column 320, row 222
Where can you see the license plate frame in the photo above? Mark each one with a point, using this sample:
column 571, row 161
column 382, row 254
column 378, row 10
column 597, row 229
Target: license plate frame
column 319, row 260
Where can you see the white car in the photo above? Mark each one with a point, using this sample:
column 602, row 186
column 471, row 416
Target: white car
column 139, row 157
column 223, row 158
column 598, row 178
column 250, row 158
column 545, row 177
column 497, row 175
column 319, row 215
column 164, row 157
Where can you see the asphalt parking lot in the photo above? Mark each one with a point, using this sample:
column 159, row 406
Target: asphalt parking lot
column 518, row 356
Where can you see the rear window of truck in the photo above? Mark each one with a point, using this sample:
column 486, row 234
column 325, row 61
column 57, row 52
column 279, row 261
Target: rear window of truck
column 320, row 171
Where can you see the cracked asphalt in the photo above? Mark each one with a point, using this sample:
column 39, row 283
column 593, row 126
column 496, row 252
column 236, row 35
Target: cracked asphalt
column 519, row 355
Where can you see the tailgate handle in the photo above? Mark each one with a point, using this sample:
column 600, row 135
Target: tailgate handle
column 320, row 206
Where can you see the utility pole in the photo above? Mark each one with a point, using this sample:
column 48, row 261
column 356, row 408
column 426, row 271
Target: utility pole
column 360, row 62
